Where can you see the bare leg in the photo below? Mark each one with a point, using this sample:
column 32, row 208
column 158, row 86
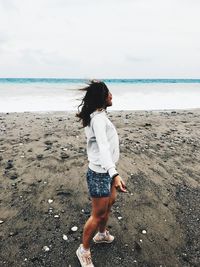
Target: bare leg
column 102, row 225
column 99, row 212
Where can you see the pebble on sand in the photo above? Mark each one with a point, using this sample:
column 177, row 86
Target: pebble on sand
column 50, row 201
column 40, row 156
column 65, row 237
column 45, row 248
column 74, row 228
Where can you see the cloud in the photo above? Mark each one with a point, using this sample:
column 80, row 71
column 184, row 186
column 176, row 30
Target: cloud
column 136, row 59
column 99, row 38
column 8, row 4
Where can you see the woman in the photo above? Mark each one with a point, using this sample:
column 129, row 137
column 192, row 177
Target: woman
column 102, row 177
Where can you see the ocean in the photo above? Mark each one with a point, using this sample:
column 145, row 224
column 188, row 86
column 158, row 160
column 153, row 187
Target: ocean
column 44, row 94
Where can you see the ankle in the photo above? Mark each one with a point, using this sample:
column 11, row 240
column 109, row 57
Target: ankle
column 84, row 250
column 102, row 233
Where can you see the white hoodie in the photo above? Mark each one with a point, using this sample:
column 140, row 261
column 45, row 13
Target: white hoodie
column 102, row 144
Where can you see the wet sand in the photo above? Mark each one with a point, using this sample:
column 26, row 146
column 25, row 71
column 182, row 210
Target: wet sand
column 43, row 191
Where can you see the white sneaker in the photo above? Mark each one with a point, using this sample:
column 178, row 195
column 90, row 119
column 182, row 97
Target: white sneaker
column 100, row 238
column 84, row 257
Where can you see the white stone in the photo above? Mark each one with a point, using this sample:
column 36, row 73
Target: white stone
column 74, row 228
column 144, row 232
column 45, row 248
column 119, row 218
column 50, row 201
column 50, row 210
column 65, row 237
column 1, row 221
column 56, row 216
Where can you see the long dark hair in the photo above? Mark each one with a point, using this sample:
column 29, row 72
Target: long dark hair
column 95, row 98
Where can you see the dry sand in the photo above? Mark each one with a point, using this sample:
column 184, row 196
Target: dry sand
column 42, row 157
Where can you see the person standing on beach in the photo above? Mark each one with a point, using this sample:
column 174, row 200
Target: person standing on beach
column 102, row 177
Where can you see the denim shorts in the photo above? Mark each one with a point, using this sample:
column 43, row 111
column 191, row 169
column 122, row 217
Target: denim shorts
column 99, row 184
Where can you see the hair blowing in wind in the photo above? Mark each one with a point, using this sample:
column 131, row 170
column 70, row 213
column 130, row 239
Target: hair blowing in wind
column 95, row 98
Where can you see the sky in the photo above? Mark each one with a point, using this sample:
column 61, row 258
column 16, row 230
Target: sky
column 100, row 38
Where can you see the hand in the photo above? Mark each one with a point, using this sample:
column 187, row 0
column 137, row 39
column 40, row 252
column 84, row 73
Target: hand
column 119, row 184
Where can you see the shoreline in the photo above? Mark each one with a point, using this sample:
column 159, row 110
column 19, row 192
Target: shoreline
column 43, row 157
column 109, row 111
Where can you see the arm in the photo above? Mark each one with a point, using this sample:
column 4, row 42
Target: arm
column 99, row 128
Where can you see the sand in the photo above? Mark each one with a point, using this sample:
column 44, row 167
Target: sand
column 43, row 192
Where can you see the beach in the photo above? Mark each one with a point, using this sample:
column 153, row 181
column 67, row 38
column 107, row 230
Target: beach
column 44, row 200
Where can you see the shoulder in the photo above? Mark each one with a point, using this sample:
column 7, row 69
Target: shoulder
column 98, row 116
column 99, row 121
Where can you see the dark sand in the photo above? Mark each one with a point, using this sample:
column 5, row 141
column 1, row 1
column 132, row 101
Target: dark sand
column 42, row 157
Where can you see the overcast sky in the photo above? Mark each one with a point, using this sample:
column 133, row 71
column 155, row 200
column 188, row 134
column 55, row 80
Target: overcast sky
column 100, row 38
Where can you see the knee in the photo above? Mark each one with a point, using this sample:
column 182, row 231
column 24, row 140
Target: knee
column 104, row 217
column 101, row 217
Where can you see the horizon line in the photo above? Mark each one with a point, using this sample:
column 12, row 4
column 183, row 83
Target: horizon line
column 70, row 78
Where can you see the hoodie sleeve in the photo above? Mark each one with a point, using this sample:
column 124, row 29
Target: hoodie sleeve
column 99, row 128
